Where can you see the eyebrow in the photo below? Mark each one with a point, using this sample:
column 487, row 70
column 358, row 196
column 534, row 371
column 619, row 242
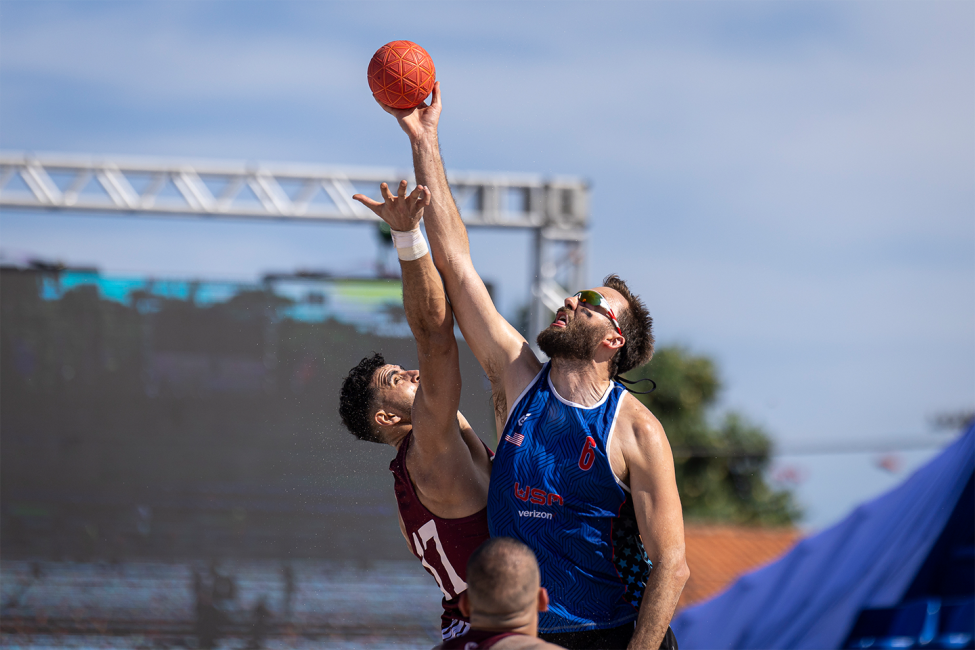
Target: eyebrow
column 389, row 372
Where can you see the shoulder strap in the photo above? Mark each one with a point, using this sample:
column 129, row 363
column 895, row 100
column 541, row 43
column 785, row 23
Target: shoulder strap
column 400, row 459
column 535, row 380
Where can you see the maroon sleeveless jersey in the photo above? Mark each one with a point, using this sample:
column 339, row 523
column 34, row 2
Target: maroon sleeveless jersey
column 475, row 640
column 442, row 545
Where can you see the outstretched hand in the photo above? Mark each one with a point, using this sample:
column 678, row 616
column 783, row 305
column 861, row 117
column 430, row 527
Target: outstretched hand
column 421, row 120
column 401, row 212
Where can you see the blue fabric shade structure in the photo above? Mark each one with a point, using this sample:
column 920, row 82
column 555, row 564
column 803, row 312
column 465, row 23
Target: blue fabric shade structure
column 884, row 553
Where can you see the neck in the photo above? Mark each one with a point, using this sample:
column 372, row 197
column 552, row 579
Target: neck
column 396, row 435
column 582, row 382
column 522, row 623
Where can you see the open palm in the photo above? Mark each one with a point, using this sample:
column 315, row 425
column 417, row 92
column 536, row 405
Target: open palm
column 402, row 212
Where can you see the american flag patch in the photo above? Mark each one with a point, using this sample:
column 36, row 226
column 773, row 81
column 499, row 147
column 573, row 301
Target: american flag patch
column 515, row 439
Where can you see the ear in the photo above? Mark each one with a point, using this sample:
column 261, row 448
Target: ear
column 386, row 418
column 464, row 605
column 614, row 341
column 542, row 599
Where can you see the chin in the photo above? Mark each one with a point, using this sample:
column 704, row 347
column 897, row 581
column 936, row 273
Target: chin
column 560, row 343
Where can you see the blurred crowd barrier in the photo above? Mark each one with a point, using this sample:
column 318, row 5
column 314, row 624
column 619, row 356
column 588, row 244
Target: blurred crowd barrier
column 240, row 604
column 152, row 428
column 174, row 420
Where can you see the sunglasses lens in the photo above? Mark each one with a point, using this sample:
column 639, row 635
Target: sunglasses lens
column 590, row 298
column 595, row 299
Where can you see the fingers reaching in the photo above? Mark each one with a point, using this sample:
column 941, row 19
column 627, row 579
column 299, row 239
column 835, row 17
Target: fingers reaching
column 400, row 210
column 414, row 195
column 398, row 113
column 435, row 101
column 419, row 198
column 389, row 109
column 375, row 206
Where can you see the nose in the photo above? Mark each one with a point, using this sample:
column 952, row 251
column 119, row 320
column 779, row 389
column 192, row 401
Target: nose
column 571, row 303
column 414, row 375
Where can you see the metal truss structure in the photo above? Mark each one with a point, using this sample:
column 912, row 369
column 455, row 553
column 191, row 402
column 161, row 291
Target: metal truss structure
column 556, row 210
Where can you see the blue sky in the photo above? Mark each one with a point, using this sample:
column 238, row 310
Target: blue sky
column 790, row 186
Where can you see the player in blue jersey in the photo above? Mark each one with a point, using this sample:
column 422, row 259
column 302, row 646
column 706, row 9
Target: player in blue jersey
column 584, row 474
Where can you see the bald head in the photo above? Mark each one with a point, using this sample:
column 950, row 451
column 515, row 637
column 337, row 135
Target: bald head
column 502, row 578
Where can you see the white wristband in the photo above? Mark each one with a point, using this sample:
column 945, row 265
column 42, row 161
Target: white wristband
column 410, row 245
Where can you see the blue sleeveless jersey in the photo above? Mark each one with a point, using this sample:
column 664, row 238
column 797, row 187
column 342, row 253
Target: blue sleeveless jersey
column 552, row 488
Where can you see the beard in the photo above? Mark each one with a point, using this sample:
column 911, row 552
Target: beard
column 575, row 341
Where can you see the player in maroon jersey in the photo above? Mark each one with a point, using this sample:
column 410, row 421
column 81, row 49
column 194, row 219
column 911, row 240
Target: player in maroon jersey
column 503, row 599
column 441, row 470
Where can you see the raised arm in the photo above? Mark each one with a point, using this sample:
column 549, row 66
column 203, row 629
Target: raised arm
column 497, row 345
column 449, row 466
column 650, row 469
column 435, row 423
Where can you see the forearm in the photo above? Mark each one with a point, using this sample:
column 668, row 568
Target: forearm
column 431, row 321
column 494, row 342
column 448, row 235
column 424, row 300
column 659, row 602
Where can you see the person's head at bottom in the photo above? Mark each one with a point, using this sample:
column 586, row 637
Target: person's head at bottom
column 503, row 597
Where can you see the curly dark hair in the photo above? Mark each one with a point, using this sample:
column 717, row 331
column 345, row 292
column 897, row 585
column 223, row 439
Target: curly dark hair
column 637, row 326
column 358, row 397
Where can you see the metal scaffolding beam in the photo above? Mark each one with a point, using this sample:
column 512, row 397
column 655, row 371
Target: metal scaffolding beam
column 556, row 209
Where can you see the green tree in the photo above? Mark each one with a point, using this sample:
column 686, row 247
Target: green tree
column 720, row 468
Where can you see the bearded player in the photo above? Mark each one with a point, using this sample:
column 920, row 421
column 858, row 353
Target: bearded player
column 442, row 468
column 584, row 474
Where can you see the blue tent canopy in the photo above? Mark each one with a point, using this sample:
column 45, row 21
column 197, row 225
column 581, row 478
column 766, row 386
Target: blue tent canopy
column 811, row 597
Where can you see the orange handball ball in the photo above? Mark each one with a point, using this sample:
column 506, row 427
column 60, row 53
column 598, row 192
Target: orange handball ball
column 401, row 74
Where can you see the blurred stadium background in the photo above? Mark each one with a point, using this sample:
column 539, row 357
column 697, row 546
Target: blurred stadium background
column 164, row 438
column 172, row 460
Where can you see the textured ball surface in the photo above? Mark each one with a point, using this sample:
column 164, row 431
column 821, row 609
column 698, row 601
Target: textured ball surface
column 401, row 74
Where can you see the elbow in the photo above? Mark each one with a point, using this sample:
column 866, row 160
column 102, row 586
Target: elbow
column 453, row 264
column 442, row 262
column 436, row 336
column 677, row 570
column 683, row 572
column 430, row 321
